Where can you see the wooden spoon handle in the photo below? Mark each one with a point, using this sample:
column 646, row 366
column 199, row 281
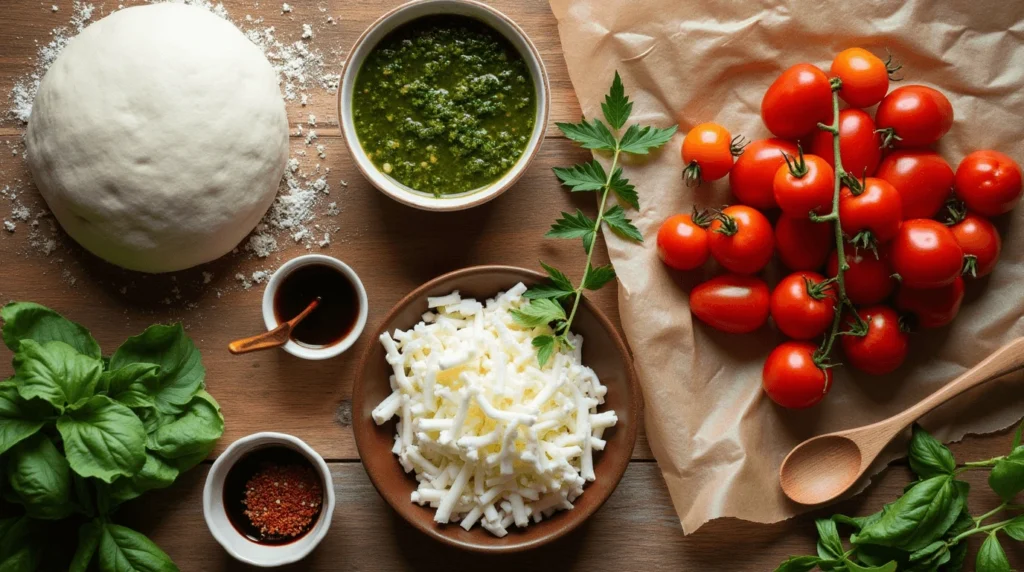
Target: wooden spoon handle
column 272, row 339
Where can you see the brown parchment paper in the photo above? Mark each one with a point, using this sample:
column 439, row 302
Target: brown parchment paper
column 718, row 440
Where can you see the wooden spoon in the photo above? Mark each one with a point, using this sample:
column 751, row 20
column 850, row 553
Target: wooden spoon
column 275, row 338
column 822, row 468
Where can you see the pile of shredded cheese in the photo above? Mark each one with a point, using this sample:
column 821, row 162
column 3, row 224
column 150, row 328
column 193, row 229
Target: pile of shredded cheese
column 491, row 436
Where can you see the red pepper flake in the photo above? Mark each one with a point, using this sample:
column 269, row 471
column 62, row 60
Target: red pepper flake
column 283, row 500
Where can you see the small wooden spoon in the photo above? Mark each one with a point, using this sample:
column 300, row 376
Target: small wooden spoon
column 822, row 468
column 275, row 338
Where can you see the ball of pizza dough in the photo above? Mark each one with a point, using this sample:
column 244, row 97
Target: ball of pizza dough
column 158, row 137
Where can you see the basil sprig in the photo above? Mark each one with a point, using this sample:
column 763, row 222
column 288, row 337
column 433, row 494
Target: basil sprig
column 80, row 434
column 925, row 530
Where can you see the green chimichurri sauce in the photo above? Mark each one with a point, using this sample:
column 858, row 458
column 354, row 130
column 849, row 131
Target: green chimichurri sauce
column 444, row 105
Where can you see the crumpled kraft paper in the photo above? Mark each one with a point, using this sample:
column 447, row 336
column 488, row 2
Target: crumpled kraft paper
column 717, row 438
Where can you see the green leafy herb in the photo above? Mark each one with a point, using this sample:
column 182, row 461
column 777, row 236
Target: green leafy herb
column 554, row 325
column 925, row 530
column 80, row 434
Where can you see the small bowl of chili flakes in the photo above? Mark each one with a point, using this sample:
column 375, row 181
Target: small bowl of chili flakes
column 268, row 499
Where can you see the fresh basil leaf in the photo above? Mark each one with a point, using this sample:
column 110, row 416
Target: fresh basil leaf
column 991, row 557
column 14, row 534
column 155, row 474
column 41, row 478
column 181, row 369
column 583, row 177
column 19, row 418
column 857, row 522
column 854, row 567
column 193, row 432
column 545, row 348
column 622, row 226
column 616, row 106
column 30, row 321
column 589, row 134
column 830, row 545
column 598, row 276
column 871, row 555
column 120, row 380
column 88, row 542
column 623, row 189
column 55, row 372
column 1007, row 476
column 103, row 439
column 799, row 564
column 538, row 313
column 1015, row 528
column 928, row 551
column 639, row 140
column 957, row 556
column 122, row 549
column 26, row 559
column 916, row 519
column 928, row 456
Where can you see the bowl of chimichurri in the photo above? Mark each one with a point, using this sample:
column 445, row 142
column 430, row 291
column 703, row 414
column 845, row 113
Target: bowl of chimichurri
column 443, row 103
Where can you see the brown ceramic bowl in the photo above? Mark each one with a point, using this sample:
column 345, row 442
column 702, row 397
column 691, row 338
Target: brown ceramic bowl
column 603, row 350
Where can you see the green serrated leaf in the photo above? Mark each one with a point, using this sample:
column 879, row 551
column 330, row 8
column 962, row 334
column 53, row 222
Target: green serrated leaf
column 598, row 277
column 623, row 189
column 537, row 313
column 582, row 177
column 616, row 106
column 589, row 134
column 545, row 348
column 639, row 140
column 541, row 291
column 576, row 225
column 558, row 277
column 616, row 219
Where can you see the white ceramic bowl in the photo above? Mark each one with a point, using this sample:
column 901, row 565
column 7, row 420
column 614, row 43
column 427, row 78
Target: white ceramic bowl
column 240, row 547
column 406, row 13
column 310, row 352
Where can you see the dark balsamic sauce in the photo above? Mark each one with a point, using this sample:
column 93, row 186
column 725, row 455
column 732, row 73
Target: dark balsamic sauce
column 244, row 470
column 337, row 313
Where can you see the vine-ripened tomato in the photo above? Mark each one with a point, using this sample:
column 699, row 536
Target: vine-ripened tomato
column 869, row 279
column 864, row 75
column 804, row 185
column 731, row 303
column 923, row 178
column 802, row 305
column 925, row 254
column 860, row 147
column 741, row 239
column 879, row 345
column 989, row 182
column 980, row 242
column 801, row 243
column 752, row 176
column 797, row 101
column 683, row 241
column 707, row 153
column 918, row 115
column 873, row 216
column 792, row 379
column 932, row 307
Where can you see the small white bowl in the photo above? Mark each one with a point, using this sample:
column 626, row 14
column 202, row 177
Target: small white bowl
column 237, row 545
column 406, row 13
column 311, row 352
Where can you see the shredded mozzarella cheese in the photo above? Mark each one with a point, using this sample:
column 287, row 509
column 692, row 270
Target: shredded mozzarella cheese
column 492, row 437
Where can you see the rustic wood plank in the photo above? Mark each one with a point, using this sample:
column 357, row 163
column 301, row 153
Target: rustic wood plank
column 635, row 530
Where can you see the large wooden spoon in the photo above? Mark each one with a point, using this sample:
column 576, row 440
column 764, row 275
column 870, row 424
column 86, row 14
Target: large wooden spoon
column 822, row 468
column 275, row 338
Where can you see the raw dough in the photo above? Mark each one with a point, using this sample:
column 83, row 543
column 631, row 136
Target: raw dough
column 158, row 137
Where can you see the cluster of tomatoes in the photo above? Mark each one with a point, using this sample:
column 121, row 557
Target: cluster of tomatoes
column 887, row 253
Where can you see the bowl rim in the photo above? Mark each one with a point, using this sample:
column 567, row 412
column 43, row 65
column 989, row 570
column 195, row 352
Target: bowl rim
column 489, row 192
column 361, row 426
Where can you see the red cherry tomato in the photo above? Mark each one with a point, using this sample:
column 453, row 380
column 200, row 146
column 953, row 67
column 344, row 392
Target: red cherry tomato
column 865, row 77
column 801, row 306
column 918, row 115
column 797, row 101
column 753, row 174
column 869, row 279
column 802, row 244
column 741, row 239
column 923, row 179
column 707, row 153
column 989, row 182
column 731, row 303
column 933, row 307
column 881, row 346
column 980, row 242
column 925, row 254
column 792, row 379
column 803, row 185
column 873, row 216
column 860, row 147
column 683, row 242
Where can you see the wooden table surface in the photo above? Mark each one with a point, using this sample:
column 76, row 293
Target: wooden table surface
column 394, row 249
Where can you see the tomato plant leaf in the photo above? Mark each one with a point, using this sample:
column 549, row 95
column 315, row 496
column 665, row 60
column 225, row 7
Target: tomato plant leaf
column 577, row 225
column 928, row 456
column 1007, row 476
column 583, row 177
column 639, row 140
column 616, row 107
column 537, row 313
column 31, row 321
column 545, row 345
column 622, row 226
column 558, row 277
column 181, row 371
column 19, row 418
column 623, row 189
column 598, row 276
column 991, row 557
column 589, row 134
column 55, row 372
column 121, row 549
column 103, row 439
